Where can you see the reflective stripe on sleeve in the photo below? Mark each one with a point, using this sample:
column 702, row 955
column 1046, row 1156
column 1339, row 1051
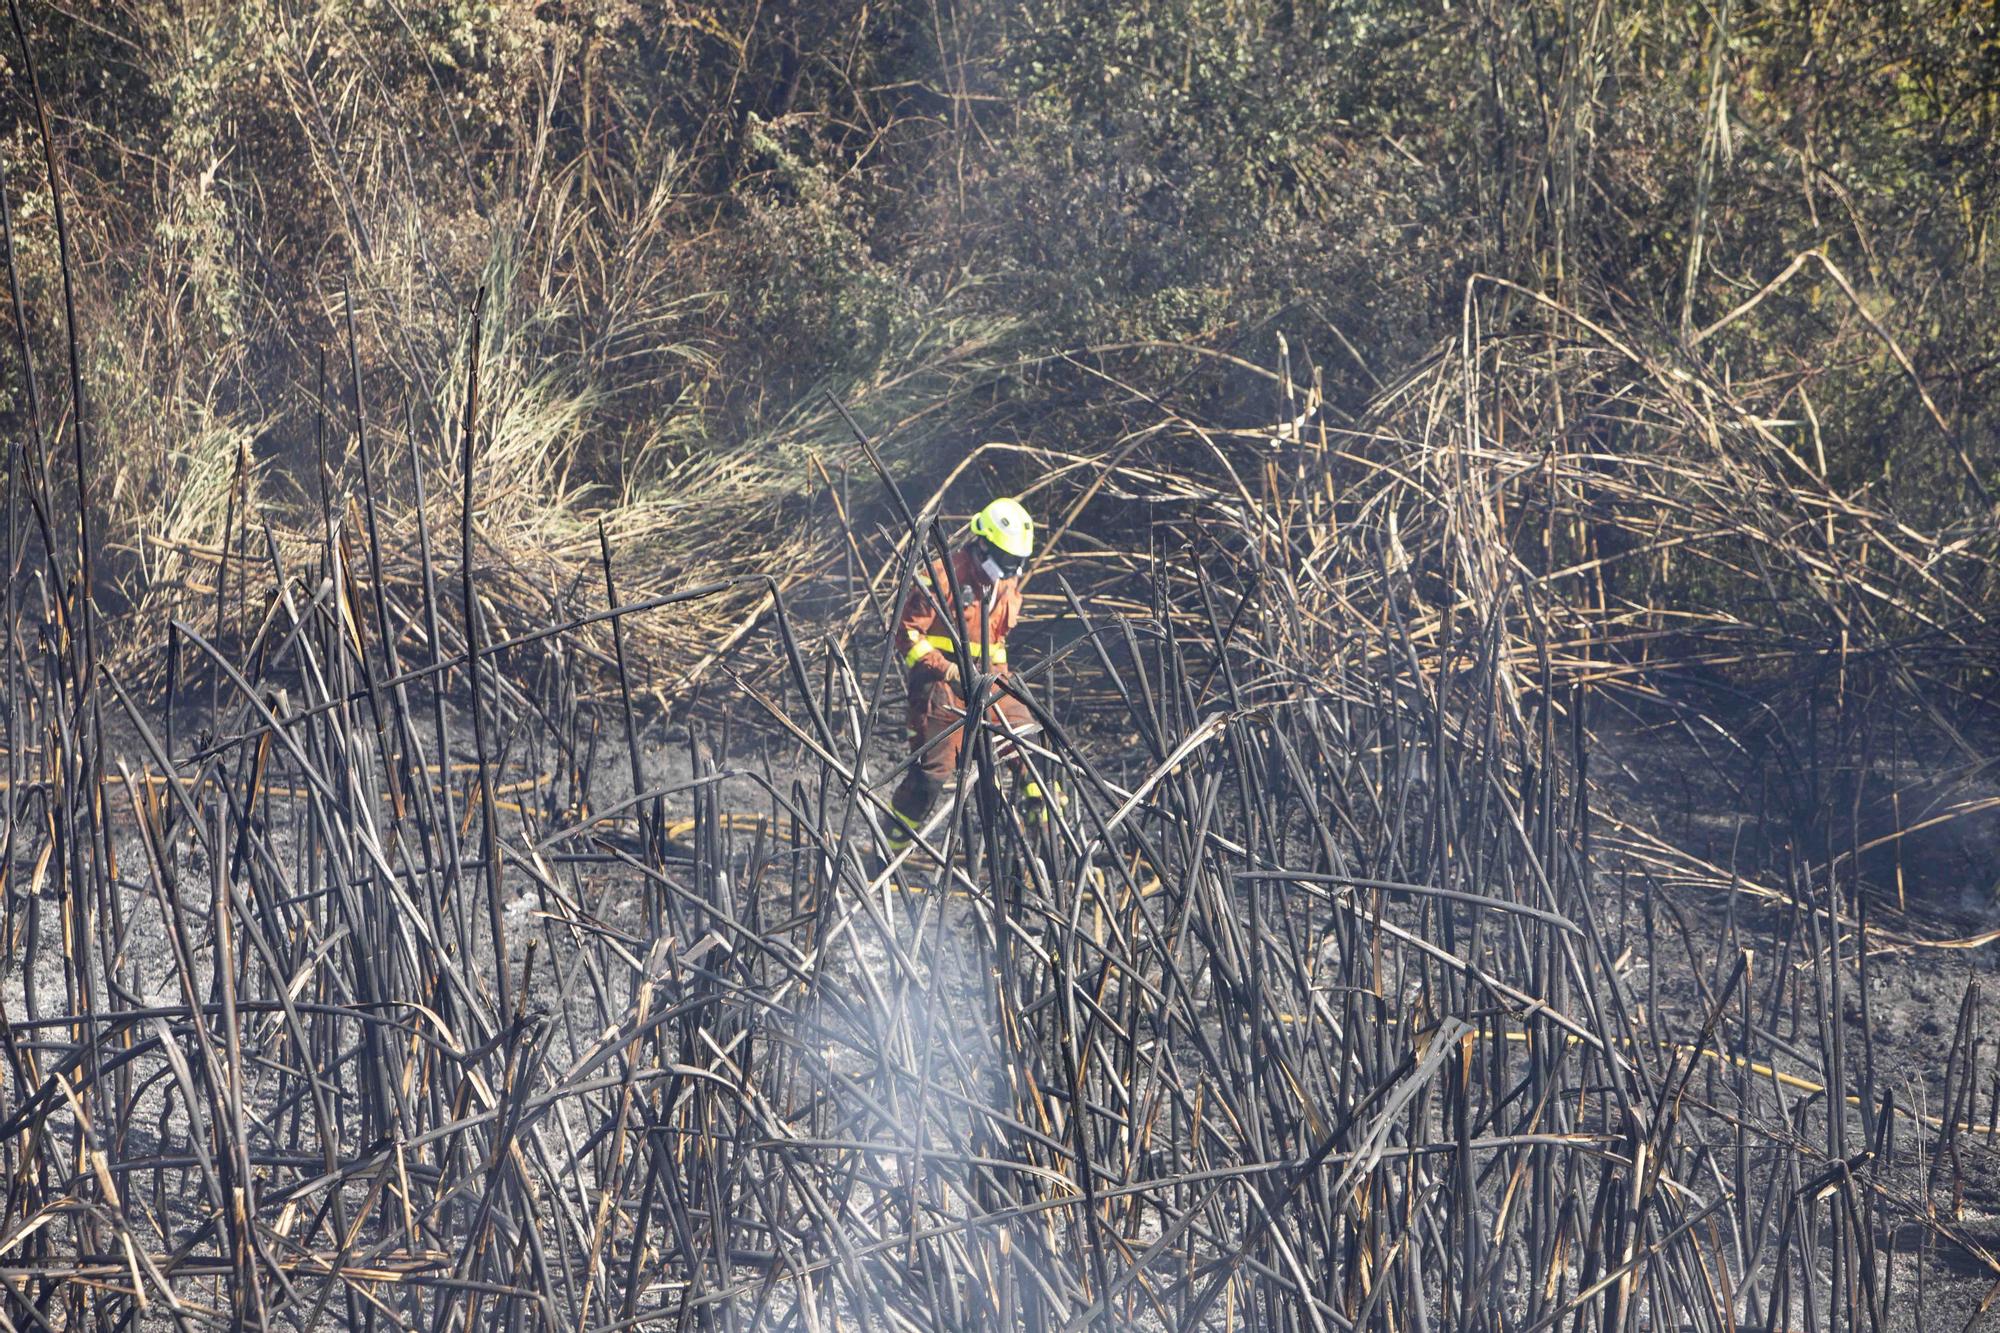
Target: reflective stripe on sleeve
column 921, row 646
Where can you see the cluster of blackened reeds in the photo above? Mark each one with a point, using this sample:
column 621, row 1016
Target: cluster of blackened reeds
column 382, row 968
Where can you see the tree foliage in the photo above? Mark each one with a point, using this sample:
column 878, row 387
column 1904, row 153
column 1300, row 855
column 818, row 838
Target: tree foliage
column 693, row 215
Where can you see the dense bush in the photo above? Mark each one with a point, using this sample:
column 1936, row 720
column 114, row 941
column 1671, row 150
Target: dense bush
column 693, row 216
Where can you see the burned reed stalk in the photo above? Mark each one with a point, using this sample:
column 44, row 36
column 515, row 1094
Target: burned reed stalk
column 489, row 846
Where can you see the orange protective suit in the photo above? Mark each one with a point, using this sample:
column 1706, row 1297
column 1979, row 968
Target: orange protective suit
column 986, row 611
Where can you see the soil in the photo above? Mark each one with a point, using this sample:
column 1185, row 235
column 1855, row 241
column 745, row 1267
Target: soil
column 1933, row 943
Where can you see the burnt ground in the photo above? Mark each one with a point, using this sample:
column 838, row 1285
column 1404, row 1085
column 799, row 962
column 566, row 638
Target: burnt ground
column 1929, row 897
column 1675, row 935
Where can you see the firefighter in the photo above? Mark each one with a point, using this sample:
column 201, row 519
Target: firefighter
column 985, row 576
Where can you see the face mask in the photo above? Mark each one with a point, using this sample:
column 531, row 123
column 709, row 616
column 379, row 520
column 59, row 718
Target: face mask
column 990, row 569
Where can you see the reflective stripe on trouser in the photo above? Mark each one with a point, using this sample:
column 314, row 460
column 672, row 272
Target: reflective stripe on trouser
column 901, row 830
column 935, row 709
column 1038, row 801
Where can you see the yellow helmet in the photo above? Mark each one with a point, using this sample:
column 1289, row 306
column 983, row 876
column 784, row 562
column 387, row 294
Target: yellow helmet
column 1005, row 526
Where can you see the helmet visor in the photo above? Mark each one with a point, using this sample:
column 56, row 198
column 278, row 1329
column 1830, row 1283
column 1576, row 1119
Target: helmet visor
column 994, row 558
